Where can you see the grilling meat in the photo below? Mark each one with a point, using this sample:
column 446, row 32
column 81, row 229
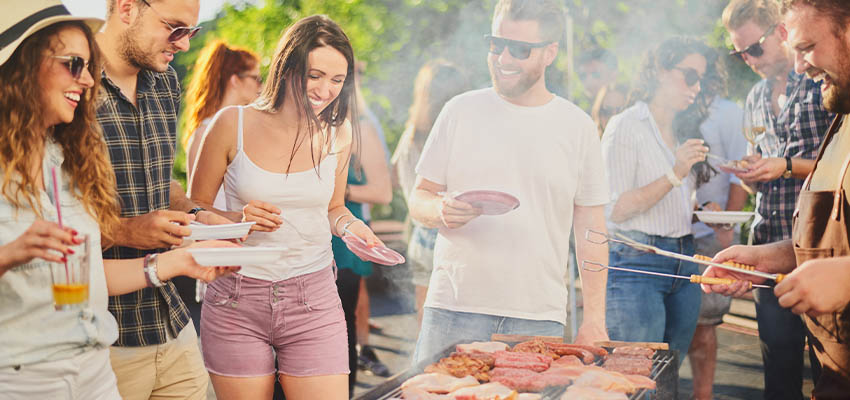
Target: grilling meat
column 606, row 380
column 487, row 391
column 463, row 364
column 535, row 346
column 636, row 351
column 532, row 361
column 591, row 393
column 564, row 349
column 524, row 380
column 438, row 383
column 483, row 347
column 628, row 365
column 595, row 350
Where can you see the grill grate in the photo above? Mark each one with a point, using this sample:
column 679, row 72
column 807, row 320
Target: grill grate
column 665, row 377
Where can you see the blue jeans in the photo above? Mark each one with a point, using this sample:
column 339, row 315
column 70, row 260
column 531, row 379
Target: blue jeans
column 644, row 308
column 443, row 328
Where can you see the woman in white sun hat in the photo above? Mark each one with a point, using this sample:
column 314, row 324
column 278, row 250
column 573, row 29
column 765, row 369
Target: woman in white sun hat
column 49, row 71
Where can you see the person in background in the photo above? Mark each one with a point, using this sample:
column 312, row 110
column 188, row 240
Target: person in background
column 368, row 182
column 597, row 69
column 609, row 101
column 437, row 82
column 721, row 131
column 520, row 138
column 654, row 156
column 283, row 159
column 49, row 74
column 157, row 350
column 788, row 106
column 816, row 256
column 223, row 76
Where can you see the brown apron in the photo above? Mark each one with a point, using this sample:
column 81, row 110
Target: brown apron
column 821, row 230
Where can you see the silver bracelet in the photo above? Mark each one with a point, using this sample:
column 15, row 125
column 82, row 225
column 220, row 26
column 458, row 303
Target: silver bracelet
column 151, row 271
column 336, row 222
column 347, row 224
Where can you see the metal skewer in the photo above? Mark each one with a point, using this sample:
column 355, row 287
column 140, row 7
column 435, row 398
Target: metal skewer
column 708, row 280
column 652, row 249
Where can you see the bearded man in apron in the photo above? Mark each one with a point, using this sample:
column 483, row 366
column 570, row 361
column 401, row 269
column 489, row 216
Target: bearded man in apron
column 817, row 258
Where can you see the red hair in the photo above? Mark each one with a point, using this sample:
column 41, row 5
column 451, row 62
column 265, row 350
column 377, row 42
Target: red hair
column 214, row 67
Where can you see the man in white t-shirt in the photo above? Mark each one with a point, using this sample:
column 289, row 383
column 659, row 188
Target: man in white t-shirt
column 505, row 273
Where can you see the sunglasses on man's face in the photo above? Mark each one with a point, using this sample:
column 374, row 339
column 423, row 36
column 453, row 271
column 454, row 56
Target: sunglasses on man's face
column 754, row 50
column 177, row 33
column 518, row 49
column 690, row 74
column 75, row 64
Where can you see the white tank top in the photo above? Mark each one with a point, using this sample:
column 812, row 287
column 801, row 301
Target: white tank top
column 303, row 198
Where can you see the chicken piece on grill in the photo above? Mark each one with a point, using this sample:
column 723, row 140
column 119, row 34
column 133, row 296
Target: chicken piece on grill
column 438, row 383
column 535, row 346
column 591, row 393
column 462, row 364
column 606, row 380
column 483, row 347
column 487, row 391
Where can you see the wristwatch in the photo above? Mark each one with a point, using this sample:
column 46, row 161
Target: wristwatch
column 196, row 210
column 787, row 173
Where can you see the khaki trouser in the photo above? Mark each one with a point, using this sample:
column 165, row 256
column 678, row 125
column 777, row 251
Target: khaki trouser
column 174, row 370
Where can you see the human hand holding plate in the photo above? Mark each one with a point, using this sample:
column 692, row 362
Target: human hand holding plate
column 456, row 213
column 181, row 262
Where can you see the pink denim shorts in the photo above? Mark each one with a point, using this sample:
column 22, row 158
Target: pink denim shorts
column 246, row 322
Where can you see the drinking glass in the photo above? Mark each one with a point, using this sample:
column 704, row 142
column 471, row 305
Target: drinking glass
column 71, row 279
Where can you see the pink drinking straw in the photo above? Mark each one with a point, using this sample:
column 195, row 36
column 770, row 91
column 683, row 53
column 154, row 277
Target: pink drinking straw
column 59, row 215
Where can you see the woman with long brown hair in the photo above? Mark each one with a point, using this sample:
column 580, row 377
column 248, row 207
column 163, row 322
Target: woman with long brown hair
column 55, row 347
column 284, row 160
column 223, row 76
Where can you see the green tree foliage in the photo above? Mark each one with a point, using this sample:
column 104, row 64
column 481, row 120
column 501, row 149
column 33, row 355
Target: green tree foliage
column 396, row 37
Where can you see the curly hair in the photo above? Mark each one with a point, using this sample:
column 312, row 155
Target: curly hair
column 214, row 67
column 288, row 71
column 686, row 123
column 92, row 179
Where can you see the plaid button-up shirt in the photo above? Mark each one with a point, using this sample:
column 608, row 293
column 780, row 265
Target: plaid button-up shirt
column 142, row 141
column 799, row 128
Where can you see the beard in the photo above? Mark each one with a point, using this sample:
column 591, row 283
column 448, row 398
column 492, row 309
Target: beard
column 527, row 79
column 132, row 51
column 836, row 99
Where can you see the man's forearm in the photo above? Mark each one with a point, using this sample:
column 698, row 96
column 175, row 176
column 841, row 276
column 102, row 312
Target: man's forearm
column 593, row 283
column 425, row 208
column 178, row 199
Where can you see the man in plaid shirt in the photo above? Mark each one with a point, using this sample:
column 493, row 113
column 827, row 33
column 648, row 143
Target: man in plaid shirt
column 156, row 355
column 788, row 106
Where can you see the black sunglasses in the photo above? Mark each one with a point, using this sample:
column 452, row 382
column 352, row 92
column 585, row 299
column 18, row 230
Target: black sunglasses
column 690, row 74
column 755, row 49
column 75, row 64
column 176, row 33
column 518, row 49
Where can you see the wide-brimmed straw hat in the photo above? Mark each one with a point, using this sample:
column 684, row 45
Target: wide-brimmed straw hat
column 20, row 19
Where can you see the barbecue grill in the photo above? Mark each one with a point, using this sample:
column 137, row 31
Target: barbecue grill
column 664, row 373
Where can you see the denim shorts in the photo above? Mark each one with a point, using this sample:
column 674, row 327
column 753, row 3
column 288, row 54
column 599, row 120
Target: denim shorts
column 645, row 308
column 443, row 328
column 247, row 322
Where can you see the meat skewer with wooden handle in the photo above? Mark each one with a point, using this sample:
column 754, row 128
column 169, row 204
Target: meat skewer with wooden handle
column 708, row 280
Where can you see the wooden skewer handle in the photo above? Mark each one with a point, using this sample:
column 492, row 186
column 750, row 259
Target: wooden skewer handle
column 710, row 280
column 729, row 263
column 779, row 277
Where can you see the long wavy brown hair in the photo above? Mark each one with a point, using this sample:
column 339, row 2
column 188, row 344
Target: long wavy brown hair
column 436, row 83
column 214, row 67
column 288, row 71
column 92, row 179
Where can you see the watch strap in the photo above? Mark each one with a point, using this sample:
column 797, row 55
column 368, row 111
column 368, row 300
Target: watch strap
column 196, row 210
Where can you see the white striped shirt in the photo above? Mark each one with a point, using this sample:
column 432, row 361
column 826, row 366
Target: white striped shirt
column 635, row 156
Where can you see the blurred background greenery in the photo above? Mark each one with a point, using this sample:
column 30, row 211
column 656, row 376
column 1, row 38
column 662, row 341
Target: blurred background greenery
column 396, row 37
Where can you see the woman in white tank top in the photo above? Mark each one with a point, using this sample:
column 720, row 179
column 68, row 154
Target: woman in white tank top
column 284, row 160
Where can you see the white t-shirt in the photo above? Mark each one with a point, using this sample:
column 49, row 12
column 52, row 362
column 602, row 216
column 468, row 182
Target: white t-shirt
column 549, row 157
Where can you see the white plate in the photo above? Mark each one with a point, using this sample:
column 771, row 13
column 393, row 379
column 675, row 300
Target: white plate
column 724, row 217
column 225, row 231
column 237, row 256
